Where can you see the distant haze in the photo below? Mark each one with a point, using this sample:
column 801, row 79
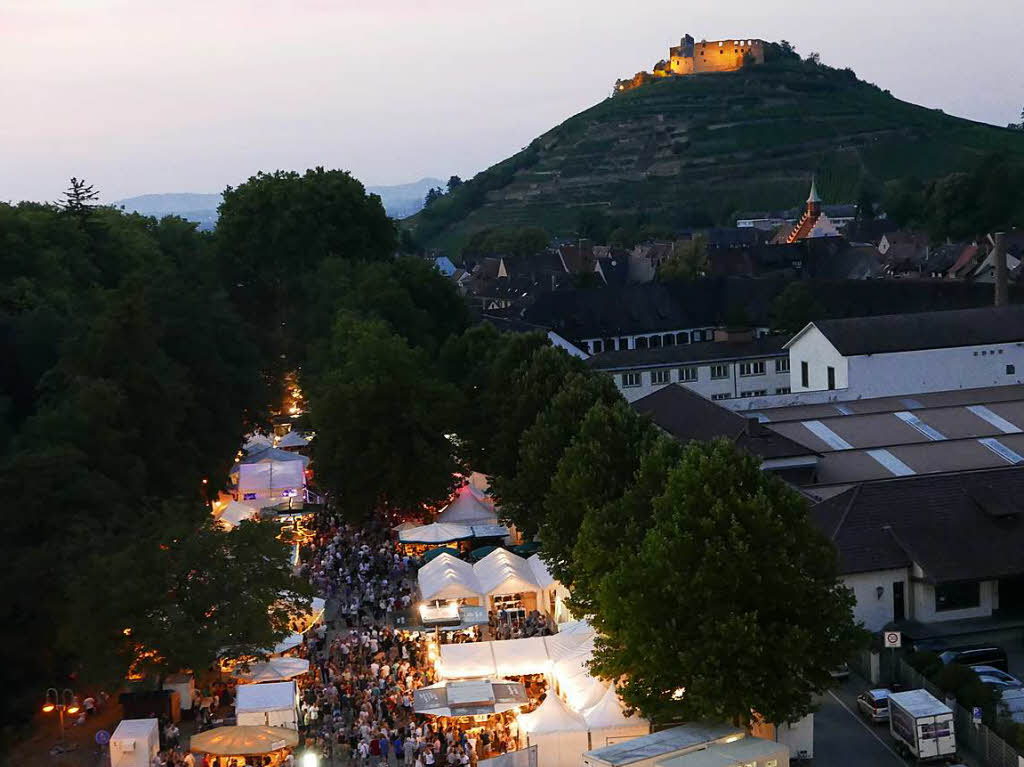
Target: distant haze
column 399, row 201
column 137, row 97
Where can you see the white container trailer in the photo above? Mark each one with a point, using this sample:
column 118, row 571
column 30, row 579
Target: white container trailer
column 922, row 725
column 135, row 743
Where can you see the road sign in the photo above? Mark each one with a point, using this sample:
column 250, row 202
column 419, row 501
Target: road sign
column 102, row 737
column 893, row 639
column 976, row 715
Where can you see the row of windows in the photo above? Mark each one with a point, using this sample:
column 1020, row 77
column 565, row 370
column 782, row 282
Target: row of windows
column 679, row 338
column 805, row 376
column 719, row 372
column 751, row 393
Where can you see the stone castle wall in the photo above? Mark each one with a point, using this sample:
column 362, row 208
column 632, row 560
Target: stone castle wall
column 689, row 58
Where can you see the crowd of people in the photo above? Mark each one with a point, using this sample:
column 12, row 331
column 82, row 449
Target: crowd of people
column 360, row 707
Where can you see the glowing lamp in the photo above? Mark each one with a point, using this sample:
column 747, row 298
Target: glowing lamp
column 48, row 708
column 309, row 759
column 73, row 710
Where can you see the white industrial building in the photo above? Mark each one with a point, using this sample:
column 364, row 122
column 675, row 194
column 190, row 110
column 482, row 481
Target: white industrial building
column 736, row 365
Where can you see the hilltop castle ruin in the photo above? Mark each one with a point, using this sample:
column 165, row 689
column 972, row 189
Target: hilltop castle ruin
column 690, row 58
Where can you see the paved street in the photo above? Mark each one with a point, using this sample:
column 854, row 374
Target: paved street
column 843, row 739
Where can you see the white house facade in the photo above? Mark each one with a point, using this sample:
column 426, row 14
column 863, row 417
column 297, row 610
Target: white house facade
column 897, row 355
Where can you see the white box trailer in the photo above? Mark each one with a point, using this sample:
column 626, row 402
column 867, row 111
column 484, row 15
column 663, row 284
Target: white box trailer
column 135, row 743
column 922, row 725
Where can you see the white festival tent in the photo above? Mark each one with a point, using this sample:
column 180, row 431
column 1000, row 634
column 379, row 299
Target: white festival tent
column 275, row 704
column 502, row 572
column 275, row 670
column 436, row 533
column 467, row 510
column 266, row 454
column 559, row 734
column 234, row 513
column 270, row 481
column 447, row 577
column 608, row 723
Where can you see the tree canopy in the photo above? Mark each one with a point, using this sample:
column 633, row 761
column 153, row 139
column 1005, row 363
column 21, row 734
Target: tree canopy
column 730, row 603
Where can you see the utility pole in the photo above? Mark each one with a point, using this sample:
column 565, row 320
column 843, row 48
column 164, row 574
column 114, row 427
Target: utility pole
column 999, row 253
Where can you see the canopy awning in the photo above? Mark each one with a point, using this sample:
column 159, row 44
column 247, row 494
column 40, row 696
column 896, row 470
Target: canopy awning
column 265, row 697
column 472, row 697
column 233, row 514
column 436, row 533
column 242, row 740
column 275, row 670
column 540, row 572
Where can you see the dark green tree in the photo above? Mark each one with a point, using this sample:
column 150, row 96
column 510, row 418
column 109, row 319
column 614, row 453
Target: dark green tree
column 80, row 198
column 731, row 603
column 521, row 495
column 594, row 470
column 277, row 228
column 794, row 307
column 453, row 183
column 382, row 421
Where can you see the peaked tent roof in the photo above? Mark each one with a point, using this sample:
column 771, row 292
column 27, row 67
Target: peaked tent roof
column 264, row 454
column 292, row 439
column 437, row 532
column 502, row 572
column 447, row 577
column 551, row 716
column 608, row 712
column 466, row 509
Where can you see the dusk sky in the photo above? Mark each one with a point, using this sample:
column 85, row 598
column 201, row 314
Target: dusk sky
column 138, row 96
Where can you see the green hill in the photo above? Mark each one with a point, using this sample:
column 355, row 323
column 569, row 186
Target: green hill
column 694, row 150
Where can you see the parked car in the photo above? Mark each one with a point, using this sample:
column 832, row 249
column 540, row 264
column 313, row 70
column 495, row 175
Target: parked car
column 874, row 704
column 840, row 672
column 990, row 676
column 976, row 655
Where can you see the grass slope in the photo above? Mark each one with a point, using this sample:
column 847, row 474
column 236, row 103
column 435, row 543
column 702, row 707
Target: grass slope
column 707, row 146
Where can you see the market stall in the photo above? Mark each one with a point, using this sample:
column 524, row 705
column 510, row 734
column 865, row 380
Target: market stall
column 135, row 743
column 274, row 704
column 507, row 581
column 271, row 482
column 244, row 741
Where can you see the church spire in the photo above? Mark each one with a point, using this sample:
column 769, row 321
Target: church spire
column 813, row 197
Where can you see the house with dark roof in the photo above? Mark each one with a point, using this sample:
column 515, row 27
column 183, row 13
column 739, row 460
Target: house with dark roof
column 687, row 416
column 738, row 363
column 897, row 354
column 920, row 552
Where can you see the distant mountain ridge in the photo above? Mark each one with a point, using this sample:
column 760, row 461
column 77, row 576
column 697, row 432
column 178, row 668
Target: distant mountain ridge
column 400, row 200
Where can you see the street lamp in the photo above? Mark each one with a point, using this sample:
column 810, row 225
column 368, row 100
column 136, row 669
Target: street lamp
column 310, row 759
column 61, row 701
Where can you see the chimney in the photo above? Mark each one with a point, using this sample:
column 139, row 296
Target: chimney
column 755, row 428
column 1000, row 256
